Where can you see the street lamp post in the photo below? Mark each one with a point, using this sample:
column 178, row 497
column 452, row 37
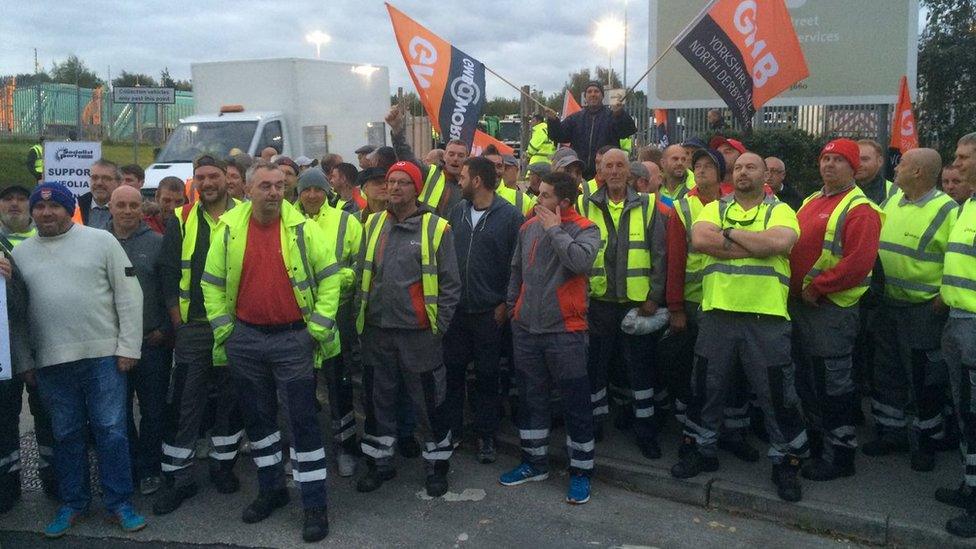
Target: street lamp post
column 318, row 38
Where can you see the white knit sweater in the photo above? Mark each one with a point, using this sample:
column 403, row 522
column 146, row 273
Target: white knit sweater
column 85, row 300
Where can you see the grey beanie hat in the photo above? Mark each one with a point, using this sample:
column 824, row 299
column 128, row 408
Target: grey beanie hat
column 313, row 177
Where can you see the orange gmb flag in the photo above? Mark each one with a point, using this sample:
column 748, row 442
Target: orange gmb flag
column 904, row 134
column 570, row 105
column 451, row 84
column 482, row 140
column 747, row 50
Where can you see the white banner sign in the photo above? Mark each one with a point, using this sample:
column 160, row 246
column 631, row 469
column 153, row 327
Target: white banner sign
column 6, row 368
column 138, row 94
column 69, row 163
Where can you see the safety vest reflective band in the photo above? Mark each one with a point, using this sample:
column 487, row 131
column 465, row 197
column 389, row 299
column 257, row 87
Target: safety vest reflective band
column 833, row 251
column 583, row 202
column 348, row 234
column 433, row 187
column 913, row 245
column 766, row 281
column 959, row 271
column 38, row 158
column 635, row 277
column 517, row 198
column 431, row 232
column 189, row 225
column 890, row 189
column 687, row 210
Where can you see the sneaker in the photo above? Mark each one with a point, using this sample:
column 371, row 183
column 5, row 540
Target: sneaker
column 346, row 464
column 785, row 479
column 225, row 480
column 65, row 519
column 486, row 450
column 128, row 519
column 525, row 472
column 956, row 497
column 692, row 463
column 374, row 478
column 883, row 446
column 739, row 448
column 316, row 526
column 649, row 448
column 923, row 461
column 579, row 490
column 171, row 497
column 150, row 485
column 265, row 504
column 408, row 447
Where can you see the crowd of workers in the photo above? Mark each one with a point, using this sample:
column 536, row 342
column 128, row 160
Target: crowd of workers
column 694, row 282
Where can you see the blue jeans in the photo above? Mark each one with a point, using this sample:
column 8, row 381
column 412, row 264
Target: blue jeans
column 149, row 381
column 90, row 391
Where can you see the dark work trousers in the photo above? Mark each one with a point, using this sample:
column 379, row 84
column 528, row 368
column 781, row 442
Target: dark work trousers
column 863, row 355
column 148, row 382
column 910, row 376
column 194, row 375
column 473, row 337
column 823, row 341
column 11, row 401
column 761, row 343
column 959, row 346
column 677, row 351
column 263, row 364
column 337, row 372
column 635, row 354
column 394, row 359
column 546, row 363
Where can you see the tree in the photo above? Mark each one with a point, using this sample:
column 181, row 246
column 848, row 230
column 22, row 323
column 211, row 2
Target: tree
column 74, row 71
column 29, row 79
column 128, row 79
column 947, row 74
column 166, row 81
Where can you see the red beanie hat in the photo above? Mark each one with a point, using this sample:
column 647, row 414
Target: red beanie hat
column 847, row 148
column 410, row 169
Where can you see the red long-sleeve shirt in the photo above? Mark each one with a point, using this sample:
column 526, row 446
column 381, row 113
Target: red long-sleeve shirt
column 859, row 238
column 677, row 259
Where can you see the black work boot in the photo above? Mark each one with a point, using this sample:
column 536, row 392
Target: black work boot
column 171, row 497
column 265, row 504
column 316, row 526
column 922, row 455
column 820, row 469
column 437, row 479
column 9, row 490
column 964, row 525
column 408, row 447
column 374, row 478
column 786, row 480
column 692, row 462
column 956, row 497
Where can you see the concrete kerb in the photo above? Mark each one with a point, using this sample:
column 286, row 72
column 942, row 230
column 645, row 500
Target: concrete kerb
column 717, row 493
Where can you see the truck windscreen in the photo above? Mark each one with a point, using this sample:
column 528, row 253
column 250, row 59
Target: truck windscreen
column 190, row 140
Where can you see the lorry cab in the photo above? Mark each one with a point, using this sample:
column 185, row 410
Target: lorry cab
column 217, row 135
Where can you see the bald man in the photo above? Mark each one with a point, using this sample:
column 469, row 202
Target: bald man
column 909, row 374
column 776, row 180
column 149, row 379
column 268, row 153
column 677, row 179
column 656, row 178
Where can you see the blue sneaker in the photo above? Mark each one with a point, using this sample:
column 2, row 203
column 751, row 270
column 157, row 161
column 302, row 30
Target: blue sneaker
column 129, row 520
column 523, row 473
column 65, row 519
column 579, row 490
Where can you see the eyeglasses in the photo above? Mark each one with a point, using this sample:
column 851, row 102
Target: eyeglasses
column 400, row 182
column 739, row 223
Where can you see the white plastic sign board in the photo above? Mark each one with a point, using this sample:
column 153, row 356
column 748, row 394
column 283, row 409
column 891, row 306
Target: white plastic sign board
column 6, row 368
column 70, row 162
column 138, row 94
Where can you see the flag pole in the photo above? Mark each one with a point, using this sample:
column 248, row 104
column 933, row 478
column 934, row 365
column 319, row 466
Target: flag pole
column 681, row 35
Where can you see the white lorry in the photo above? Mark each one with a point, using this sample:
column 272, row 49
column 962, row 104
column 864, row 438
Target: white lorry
column 300, row 107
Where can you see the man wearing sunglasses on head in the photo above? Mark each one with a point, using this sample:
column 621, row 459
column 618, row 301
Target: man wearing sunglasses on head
column 747, row 238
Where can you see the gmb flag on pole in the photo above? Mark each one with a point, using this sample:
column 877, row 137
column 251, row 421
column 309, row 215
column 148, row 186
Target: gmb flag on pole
column 451, row 83
column 904, row 135
column 747, row 50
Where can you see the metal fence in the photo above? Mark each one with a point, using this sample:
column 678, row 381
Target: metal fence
column 67, row 111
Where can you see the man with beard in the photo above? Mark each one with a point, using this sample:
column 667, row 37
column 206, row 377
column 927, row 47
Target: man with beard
column 195, row 375
column 92, row 207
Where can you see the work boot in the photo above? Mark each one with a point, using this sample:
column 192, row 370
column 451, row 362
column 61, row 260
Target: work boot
column 486, row 450
column 408, row 447
column 820, row 469
column 374, row 478
column 9, row 490
column 265, row 504
column 649, row 448
column 49, row 481
column 316, row 524
column 437, row 479
column 692, row 462
column 740, row 448
column 224, row 480
column 785, row 479
column 884, row 445
column 171, row 497
column 964, row 525
column 956, row 497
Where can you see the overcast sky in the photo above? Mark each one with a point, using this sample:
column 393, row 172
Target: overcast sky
column 533, row 42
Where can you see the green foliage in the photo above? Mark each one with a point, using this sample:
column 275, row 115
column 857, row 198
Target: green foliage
column 947, row 74
column 166, row 81
column 13, row 155
column 128, row 79
column 29, row 79
column 74, row 71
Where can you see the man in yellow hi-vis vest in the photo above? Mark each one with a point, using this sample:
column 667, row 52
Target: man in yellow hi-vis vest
column 35, row 159
column 909, row 373
column 744, row 318
column 830, row 267
column 409, row 289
